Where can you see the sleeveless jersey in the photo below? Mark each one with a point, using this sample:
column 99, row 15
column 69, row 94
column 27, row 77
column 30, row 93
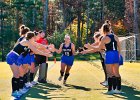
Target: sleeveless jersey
column 67, row 51
column 24, row 50
column 112, row 45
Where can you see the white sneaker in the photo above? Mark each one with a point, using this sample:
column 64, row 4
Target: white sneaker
column 110, row 92
column 28, row 85
column 33, row 82
column 16, row 94
column 105, row 83
column 23, row 91
column 118, row 91
column 60, row 78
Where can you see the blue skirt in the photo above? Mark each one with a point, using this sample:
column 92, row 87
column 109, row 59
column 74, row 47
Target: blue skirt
column 12, row 58
column 68, row 60
column 28, row 59
column 121, row 60
column 112, row 57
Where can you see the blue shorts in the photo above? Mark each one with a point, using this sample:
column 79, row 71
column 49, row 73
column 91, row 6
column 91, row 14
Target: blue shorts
column 28, row 59
column 112, row 57
column 32, row 58
column 68, row 60
column 12, row 58
column 121, row 60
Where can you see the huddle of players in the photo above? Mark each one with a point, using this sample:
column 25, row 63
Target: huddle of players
column 106, row 41
column 23, row 55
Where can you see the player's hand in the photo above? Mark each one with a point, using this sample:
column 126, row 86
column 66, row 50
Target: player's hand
column 87, row 45
column 49, row 55
column 47, row 51
column 52, row 47
column 84, row 52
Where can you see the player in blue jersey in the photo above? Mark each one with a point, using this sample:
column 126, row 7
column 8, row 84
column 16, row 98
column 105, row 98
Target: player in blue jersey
column 14, row 60
column 112, row 45
column 68, row 50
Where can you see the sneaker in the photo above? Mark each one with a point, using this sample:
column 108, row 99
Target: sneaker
column 64, row 82
column 105, row 83
column 16, row 94
column 60, row 78
column 110, row 92
column 21, row 91
column 25, row 89
column 28, row 85
column 33, row 82
column 118, row 91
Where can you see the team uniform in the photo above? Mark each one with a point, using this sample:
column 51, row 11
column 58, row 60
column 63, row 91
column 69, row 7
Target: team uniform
column 66, row 58
column 67, row 55
column 26, row 58
column 112, row 57
column 112, row 54
column 15, row 56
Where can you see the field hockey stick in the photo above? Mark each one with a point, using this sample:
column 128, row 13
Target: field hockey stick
column 49, row 68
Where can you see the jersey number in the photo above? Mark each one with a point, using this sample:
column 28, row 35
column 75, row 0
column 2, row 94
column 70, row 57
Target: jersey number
column 113, row 46
column 67, row 53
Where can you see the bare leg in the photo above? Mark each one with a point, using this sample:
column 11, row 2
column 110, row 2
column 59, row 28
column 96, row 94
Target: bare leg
column 15, row 70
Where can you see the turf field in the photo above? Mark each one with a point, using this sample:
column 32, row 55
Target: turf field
column 83, row 83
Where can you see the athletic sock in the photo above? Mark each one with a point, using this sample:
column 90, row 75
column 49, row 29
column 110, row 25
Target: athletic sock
column 25, row 78
column 31, row 77
column 21, row 82
column 110, row 83
column 114, row 79
column 15, row 82
column 61, row 73
column 66, row 76
column 118, row 83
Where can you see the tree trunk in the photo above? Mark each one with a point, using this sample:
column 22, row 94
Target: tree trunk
column 102, row 11
column 45, row 15
column 87, row 20
column 78, row 29
column 82, row 28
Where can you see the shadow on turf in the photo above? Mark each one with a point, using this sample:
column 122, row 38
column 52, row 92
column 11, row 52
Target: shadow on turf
column 130, row 93
column 42, row 91
column 77, row 87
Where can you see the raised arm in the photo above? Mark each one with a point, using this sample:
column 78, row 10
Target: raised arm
column 41, row 46
column 60, row 49
column 73, row 49
column 92, row 49
column 36, row 51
